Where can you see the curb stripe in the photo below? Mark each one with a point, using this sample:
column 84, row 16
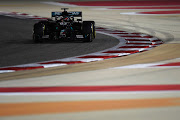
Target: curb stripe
column 170, row 64
column 140, row 43
column 104, row 57
column 134, row 47
column 137, row 36
column 126, row 33
column 122, row 88
column 21, row 68
column 137, row 40
column 116, row 51
column 22, row 15
column 63, row 62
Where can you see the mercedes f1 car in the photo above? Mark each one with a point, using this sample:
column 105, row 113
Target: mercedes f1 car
column 64, row 26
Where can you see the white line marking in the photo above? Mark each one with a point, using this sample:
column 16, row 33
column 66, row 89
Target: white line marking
column 52, row 65
column 136, row 66
column 148, row 65
column 6, row 71
column 85, row 93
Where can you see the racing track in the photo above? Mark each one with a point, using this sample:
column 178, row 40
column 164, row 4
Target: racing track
column 17, row 47
column 121, row 88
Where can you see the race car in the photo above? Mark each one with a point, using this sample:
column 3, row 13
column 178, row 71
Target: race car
column 64, row 26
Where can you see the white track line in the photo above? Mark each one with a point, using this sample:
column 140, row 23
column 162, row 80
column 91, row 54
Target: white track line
column 85, row 93
column 149, row 65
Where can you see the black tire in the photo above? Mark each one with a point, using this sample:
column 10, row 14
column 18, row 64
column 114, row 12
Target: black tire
column 37, row 38
column 38, row 32
column 88, row 38
column 94, row 30
column 88, row 31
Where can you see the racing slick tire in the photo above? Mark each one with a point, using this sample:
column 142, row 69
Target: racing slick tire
column 89, row 31
column 37, row 38
column 38, row 32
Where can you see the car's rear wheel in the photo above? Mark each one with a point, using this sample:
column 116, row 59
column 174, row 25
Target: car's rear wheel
column 38, row 32
column 89, row 31
column 37, row 38
column 89, row 38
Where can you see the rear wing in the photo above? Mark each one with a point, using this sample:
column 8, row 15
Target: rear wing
column 74, row 13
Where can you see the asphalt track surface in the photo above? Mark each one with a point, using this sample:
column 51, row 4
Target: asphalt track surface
column 17, row 46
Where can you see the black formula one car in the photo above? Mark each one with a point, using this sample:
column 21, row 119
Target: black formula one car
column 64, row 26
